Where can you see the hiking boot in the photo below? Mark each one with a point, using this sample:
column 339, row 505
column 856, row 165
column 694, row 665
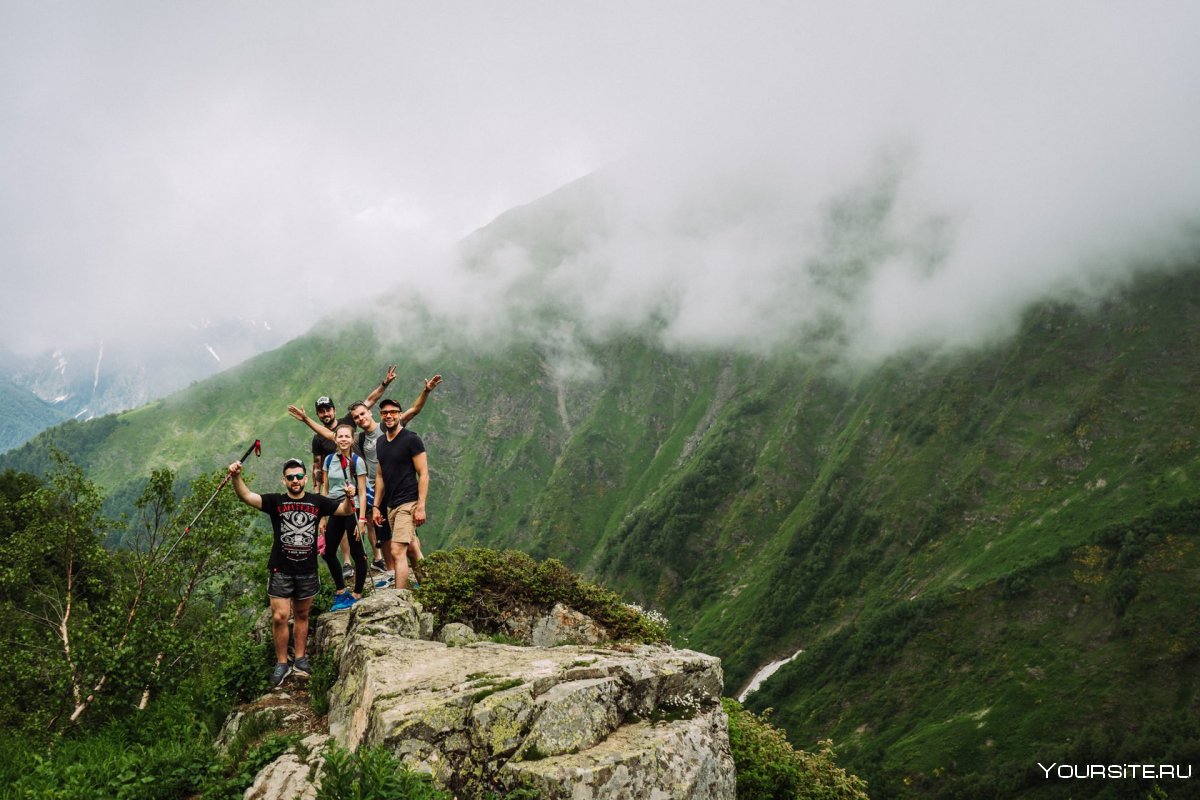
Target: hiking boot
column 385, row 580
column 302, row 667
column 280, row 674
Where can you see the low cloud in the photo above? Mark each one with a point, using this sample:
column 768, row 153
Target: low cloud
column 925, row 199
column 856, row 179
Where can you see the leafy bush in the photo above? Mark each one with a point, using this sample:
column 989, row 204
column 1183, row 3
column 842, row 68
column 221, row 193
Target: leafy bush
column 768, row 767
column 244, row 674
column 230, row 779
column 372, row 773
column 480, row 587
column 160, row 753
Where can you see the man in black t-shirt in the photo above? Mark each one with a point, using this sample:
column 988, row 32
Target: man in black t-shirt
column 293, row 563
column 401, row 485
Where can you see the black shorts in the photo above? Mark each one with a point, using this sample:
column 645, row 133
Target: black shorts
column 383, row 533
column 293, row 587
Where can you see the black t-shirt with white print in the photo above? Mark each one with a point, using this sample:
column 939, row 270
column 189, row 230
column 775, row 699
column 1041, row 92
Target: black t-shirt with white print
column 294, row 523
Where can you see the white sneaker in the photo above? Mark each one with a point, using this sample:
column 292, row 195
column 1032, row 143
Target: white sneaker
column 385, row 580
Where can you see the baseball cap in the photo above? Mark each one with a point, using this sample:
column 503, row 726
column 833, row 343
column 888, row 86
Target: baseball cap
column 323, row 401
column 294, row 462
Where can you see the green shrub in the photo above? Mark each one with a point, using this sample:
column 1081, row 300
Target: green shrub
column 768, row 767
column 231, row 778
column 244, row 673
column 113, row 762
column 324, row 675
column 372, row 773
column 480, row 587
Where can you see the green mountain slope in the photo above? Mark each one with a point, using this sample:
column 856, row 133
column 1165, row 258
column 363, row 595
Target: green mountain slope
column 988, row 557
column 26, row 414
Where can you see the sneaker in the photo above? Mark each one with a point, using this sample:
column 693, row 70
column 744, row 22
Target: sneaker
column 302, row 667
column 341, row 601
column 280, row 674
column 385, row 580
column 379, row 565
column 347, row 570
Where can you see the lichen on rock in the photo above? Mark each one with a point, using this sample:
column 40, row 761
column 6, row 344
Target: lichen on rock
column 569, row 720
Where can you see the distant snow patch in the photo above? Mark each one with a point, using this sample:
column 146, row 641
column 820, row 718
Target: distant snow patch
column 761, row 676
column 99, row 358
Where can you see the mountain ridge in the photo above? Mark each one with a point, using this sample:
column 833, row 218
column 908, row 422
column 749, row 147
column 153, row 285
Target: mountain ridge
column 770, row 503
column 88, row 381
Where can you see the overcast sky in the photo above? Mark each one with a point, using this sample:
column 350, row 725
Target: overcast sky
column 173, row 161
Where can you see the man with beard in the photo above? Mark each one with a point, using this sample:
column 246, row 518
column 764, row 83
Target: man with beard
column 322, row 444
column 401, row 484
column 293, row 564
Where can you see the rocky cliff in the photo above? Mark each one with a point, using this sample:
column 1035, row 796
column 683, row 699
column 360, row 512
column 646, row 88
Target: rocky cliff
column 580, row 720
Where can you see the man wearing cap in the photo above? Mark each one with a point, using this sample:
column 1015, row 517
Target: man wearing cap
column 293, row 581
column 323, row 445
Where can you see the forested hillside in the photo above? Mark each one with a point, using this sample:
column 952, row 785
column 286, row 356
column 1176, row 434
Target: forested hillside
column 987, row 555
column 26, row 415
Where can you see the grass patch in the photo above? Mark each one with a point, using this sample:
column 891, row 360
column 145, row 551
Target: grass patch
column 320, row 684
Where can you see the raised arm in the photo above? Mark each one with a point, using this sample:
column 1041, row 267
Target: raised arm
column 378, row 391
column 243, row 491
column 419, row 403
column 317, row 427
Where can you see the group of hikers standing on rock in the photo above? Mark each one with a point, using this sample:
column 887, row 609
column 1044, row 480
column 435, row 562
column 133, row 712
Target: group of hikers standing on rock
column 375, row 483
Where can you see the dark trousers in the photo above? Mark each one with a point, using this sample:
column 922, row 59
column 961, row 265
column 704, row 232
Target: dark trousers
column 335, row 529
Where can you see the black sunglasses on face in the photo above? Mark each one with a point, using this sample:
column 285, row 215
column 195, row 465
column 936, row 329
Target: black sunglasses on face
column 298, row 476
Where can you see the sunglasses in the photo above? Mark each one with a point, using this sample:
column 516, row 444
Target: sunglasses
column 295, row 476
column 391, row 412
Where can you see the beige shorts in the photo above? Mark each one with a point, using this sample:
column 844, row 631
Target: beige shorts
column 400, row 519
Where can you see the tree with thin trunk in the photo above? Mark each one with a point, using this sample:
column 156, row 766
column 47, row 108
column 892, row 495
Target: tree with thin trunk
column 95, row 625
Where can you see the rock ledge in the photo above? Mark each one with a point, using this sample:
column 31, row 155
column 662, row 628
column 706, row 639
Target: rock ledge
column 572, row 721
